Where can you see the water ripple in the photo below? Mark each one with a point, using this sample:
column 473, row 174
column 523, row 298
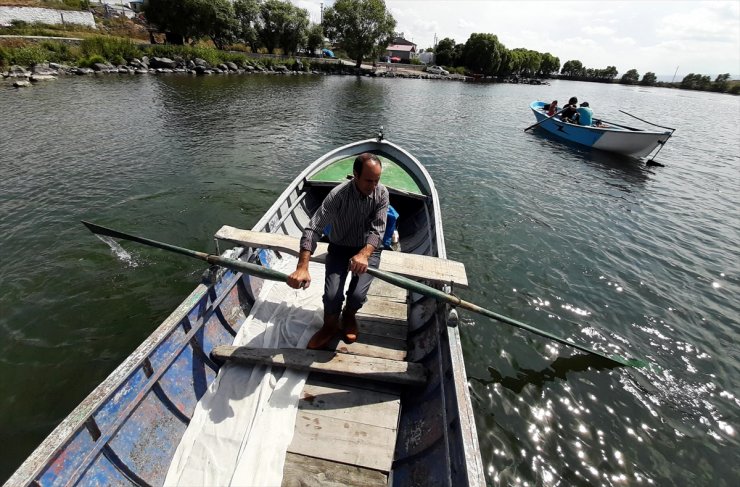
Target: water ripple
column 589, row 246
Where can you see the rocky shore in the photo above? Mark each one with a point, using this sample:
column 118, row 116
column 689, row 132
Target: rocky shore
column 24, row 76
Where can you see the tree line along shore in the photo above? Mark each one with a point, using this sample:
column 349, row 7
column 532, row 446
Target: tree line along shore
column 221, row 31
column 50, row 59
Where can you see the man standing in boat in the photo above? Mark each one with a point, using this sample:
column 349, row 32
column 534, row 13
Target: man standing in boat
column 356, row 212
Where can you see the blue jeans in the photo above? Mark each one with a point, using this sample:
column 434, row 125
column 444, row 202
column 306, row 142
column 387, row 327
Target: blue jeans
column 337, row 268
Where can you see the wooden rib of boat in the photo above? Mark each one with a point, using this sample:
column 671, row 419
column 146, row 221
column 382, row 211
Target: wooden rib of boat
column 610, row 137
column 402, row 384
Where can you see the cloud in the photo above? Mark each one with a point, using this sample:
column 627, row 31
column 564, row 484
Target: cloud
column 313, row 7
column 709, row 23
column 624, row 41
column 597, row 31
column 701, row 36
column 464, row 24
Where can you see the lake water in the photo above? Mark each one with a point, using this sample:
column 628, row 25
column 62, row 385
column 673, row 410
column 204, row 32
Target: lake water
column 584, row 244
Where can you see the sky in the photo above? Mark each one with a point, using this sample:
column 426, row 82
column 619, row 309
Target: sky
column 658, row 36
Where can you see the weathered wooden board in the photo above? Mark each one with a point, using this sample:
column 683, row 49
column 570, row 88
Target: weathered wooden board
column 382, row 328
column 343, row 441
column 372, row 346
column 367, row 367
column 305, row 471
column 384, row 308
column 387, row 290
column 351, row 404
column 342, row 381
column 409, row 265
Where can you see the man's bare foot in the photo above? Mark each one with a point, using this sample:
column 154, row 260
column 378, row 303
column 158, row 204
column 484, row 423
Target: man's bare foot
column 321, row 338
column 349, row 325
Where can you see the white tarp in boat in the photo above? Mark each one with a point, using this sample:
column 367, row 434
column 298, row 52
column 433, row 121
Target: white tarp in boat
column 243, row 424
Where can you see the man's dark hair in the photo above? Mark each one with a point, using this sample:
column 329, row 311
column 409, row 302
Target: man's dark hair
column 360, row 161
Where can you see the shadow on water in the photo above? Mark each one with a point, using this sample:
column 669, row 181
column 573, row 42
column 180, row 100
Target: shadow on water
column 558, row 369
column 362, row 95
column 631, row 170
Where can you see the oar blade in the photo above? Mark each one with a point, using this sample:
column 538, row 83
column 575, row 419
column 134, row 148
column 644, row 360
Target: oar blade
column 109, row 232
column 100, row 230
column 420, row 288
column 233, row 264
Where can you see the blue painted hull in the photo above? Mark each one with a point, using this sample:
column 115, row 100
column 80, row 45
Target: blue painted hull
column 628, row 141
column 127, row 430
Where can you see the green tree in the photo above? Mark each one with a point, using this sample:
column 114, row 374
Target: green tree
column 649, row 79
column 610, row 73
column 362, row 27
column 573, row 68
column 483, row 53
column 532, row 61
column 247, row 14
column 295, row 30
column 521, row 61
column 282, row 25
column 175, row 18
column 444, row 54
column 721, row 82
column 550, row 64
column 696, row 82
column 315, row 38
column 218, row 21
column 631, row 77
column 185, row 20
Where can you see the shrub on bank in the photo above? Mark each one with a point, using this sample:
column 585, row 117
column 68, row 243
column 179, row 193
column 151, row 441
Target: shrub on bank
column 23, row 53
column 24, row 56
column 212, row 56
column 60, row 52
column 110, row 48
column 89, row 62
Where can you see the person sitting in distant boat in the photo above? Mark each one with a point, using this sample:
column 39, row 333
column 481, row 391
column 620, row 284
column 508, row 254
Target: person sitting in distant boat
column 585, row 114
column 357, row 211
column 570, row 111
column 552, row 109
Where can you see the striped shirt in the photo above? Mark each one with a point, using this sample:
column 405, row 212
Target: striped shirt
column 355, row 219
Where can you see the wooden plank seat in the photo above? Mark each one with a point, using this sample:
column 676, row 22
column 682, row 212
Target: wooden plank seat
column 409, row 265
column 349, row 424
column 307, row 471
column 347, row 418
column 373, row 368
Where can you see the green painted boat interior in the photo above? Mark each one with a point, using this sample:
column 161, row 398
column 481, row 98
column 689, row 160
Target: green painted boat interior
column 394, row 176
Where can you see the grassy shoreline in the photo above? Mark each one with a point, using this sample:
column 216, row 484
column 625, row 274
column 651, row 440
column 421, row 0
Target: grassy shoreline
column 118, row 51
column 121, row 51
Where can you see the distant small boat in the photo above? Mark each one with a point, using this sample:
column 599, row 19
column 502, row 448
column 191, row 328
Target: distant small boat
column 610, row 137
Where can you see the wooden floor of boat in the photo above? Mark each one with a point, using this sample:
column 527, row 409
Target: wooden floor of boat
column 345, row 432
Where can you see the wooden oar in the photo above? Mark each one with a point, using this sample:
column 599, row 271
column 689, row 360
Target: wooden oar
column 649, row 123
column 256, row 270
column 545, row 120
column 455, row 301
column 233, row 264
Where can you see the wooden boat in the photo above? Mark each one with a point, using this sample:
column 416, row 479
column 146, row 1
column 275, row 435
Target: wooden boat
column 127, row 430
column 610, row 137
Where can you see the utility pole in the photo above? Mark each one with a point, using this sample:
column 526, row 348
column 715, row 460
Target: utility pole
column 322, row 13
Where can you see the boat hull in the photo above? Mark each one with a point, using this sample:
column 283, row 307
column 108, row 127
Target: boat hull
column 126, row 431
column 628, row 141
